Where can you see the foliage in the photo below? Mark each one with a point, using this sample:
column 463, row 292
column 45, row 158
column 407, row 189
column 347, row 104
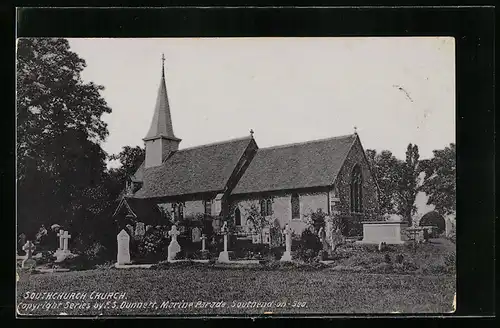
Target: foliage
column 386, row 169
column 60, row 163
column 130, row 159
column 316, row 219
column 153, row 243
column 440, row 180
column 407, row 188
column 308, row 247
column 257, row 221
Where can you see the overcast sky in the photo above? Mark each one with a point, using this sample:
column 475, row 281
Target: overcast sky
column 394, row 90
column 285, row 89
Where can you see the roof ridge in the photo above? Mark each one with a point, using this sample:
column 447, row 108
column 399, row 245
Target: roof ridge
column 215, row 143
column 306, row 142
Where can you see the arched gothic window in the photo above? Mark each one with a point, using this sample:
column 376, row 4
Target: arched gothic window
column 356, row 190
column 269, row 206
column 266, row 207
column 295, row 204
column 237, row 217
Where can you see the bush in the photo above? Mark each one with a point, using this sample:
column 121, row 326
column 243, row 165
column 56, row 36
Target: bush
column 309, row 240
column 387, row 258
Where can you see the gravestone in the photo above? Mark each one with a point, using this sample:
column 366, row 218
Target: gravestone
column 61, row 242
column 63, row 251
column 266, row 236
column 28, row 262
column 203, row 238
column 148, row 227
column 224, row 255
column 287, row 256
column 173, row 247
column 123, row 256
column 322, row 238
column 195, row 235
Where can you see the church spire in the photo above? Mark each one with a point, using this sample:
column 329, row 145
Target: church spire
column 160, row 140
column 161, row 125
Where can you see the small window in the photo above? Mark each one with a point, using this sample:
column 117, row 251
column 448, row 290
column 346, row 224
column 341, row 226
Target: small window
column 295, row 203
column 178, row 210
column 263, row 207
column 269, row 207
column 266, row 207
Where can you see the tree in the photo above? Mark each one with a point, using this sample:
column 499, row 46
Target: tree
column 386, row 169
column 61, row 165
column 408, row 186
column 439, row 182
column 130, row 159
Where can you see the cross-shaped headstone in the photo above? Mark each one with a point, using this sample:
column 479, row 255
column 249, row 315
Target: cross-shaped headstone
column 173, row 232
column 287, row 256
column 60, row 235
column 29, row 248
column 66, row 236
column 224, row 227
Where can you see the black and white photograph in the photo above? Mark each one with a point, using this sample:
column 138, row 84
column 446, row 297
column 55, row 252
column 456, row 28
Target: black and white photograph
column 235, row 176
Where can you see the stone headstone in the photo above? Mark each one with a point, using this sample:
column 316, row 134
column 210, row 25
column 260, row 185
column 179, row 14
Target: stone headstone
column 148, row 227
column 123, row 256
column 266, row 235
column 322, row 238
column 173, row 247
column 61, row 239
column 195, row 235
column 224, row 255
column 28, row 262
column 66, row 237
column 203, row 238
column 287, row 256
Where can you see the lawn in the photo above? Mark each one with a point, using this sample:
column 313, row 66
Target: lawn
column 311, row 291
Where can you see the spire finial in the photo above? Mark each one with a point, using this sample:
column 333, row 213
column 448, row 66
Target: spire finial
column 162, row 64
column 251, row 133
column 355, row 129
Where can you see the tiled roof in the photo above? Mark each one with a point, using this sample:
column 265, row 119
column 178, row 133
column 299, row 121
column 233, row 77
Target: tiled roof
column 200, row 169
column 146, row 210
column 302, row 165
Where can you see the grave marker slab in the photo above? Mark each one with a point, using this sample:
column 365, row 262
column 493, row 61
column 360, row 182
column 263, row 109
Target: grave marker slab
column 123, row 256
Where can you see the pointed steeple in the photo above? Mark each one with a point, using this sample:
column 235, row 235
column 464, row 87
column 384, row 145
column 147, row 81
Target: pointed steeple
column 160, row 140
column 161, row 125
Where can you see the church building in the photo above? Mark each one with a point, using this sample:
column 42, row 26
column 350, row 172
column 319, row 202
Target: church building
column 230, row 179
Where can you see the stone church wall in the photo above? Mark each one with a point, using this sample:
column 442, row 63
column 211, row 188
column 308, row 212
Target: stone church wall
column 282, row 208
column 369, row 192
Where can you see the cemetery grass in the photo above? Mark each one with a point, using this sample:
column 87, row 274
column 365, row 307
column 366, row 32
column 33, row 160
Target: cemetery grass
column 321, row 291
